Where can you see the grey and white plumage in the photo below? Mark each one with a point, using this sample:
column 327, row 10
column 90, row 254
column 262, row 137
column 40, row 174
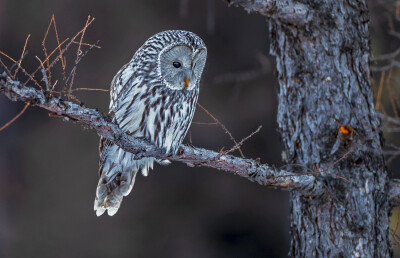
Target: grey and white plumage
column 151, row 97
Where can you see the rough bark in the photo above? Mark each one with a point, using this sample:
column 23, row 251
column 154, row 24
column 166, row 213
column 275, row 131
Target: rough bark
column 322, row 56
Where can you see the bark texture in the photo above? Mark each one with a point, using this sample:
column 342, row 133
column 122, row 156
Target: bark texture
column 328, row 124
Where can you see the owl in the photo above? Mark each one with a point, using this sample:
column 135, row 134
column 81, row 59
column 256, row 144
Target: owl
column 153, row 96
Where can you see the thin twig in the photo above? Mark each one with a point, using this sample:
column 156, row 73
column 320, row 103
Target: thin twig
column 63, row 65
column 44, row 45
column 391, row 158
column 245, row 76
column 391, row 95
column 15, row 118
column 379, row 95
column 243, row 140
column 222, row 126
column 204, row 123
column 87, row 44
column 46, row 80
column 23, row 70
column 62, row 51
column 89, row 89
column 391, row 65
column 388, row 119
column 77, row 59
column 8, row 57
column 47, row 60
column 22, row 56
column 388, row 56
column 6, row 68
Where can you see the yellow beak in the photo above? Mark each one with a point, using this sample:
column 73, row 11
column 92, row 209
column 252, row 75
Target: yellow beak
column 186, row 82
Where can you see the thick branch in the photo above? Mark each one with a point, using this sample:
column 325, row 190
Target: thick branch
column 283, row 11
column 191, row 156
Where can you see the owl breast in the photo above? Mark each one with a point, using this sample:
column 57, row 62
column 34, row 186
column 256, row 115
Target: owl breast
column 161, row 115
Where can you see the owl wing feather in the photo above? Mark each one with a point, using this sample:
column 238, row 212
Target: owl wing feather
column 118, row 168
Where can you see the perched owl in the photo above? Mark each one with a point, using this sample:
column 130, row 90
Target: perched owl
column 153, row 96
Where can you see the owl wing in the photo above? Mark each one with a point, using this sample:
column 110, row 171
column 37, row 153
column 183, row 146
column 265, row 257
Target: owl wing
column 122, row 84
column 118, row 168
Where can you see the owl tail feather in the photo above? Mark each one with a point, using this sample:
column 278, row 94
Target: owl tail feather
column 109, row 194
column 117, row 177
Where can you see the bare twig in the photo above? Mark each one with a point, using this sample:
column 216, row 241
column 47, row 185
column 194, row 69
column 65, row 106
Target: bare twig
column 222, row 126
column 23, row 70
column 63, row 65
column 243, row 140
column 4, row 54
column 87, row 44
column 6, row 68
column 391, row 65
column 46, row 80
column 89, row 89
column 62, row 51
column 71, row 77
column 391, row 95
column 245, row 76
column 15, row 118
column 22, row 56
column 389, row 119
column 72, row 74
column 204, row 123
column 379, row 95
column 388, row 56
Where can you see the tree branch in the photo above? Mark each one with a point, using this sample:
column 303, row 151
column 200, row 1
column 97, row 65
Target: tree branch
column 284, row 11
column 193, row 157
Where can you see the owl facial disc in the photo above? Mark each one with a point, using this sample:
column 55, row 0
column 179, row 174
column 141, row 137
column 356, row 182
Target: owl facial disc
column 181, row 66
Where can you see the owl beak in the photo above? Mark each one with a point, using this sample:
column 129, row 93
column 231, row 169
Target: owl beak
column 186, row 82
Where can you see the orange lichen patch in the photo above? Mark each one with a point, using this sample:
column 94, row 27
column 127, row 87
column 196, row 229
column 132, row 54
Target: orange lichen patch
column 186, row 82
column 346, row 129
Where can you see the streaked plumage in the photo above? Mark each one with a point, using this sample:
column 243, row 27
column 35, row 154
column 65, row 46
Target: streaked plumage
column 154, row 97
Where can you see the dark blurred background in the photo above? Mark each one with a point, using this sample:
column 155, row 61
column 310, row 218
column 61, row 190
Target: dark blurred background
column 49, row 168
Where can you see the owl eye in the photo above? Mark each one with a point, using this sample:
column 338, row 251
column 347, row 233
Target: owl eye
column 176, row 64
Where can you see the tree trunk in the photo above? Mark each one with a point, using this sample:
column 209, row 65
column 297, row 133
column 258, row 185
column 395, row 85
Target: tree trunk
column 329, row 126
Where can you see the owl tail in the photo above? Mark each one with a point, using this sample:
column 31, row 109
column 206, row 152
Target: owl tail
column 118, row 170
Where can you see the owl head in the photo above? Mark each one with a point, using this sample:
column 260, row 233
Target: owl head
column 180, row 57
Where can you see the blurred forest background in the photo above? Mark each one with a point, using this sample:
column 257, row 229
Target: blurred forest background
column 49, row 168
